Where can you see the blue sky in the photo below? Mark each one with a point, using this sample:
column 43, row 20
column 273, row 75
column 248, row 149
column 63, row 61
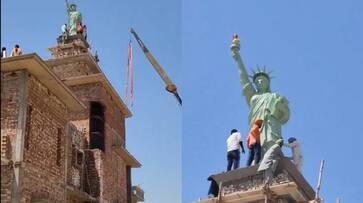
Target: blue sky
column 154, row 130
column 315, row 50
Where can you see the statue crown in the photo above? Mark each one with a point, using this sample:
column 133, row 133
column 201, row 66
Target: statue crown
column 261, row 72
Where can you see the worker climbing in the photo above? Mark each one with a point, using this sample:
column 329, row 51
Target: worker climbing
column 297, row 157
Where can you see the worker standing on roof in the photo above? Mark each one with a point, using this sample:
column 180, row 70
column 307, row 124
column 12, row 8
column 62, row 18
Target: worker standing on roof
column 234, row 142
column 85, row 32
column 64, row 29
column 270, row 161
column 253, row 143
column 297, row 157
column 16, row 51
column 3, row 52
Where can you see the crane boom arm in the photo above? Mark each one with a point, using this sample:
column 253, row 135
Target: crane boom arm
column 170, row 87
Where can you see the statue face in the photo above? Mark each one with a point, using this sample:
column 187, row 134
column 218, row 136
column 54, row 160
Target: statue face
column 262, row 84
column 73, row 7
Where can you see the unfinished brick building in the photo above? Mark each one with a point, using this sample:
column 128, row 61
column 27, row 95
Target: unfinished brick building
column 63, row 130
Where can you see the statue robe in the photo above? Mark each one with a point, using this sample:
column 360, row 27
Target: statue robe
column 273, row 110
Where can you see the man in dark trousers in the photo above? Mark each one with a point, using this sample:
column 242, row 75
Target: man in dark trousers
column 253, row 143
column 213, row 188
column 234, row 142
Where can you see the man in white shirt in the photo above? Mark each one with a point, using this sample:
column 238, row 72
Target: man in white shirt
column 64, row 29
column 234, row 142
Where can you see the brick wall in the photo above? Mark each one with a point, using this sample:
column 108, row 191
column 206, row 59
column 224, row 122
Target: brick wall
column 75, row 171
column 106, row 171
column 72, row 70
column 10, row 88
column 113, row 117
column 7, row 179
column 43, row 174
column 10, row 84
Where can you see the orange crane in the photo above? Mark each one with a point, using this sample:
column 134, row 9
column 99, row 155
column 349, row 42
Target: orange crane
column 170, row 87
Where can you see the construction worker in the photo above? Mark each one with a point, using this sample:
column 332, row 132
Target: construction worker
column 16, row 51
column 297, row 157
column 64, row 29
column 85, row 32
column 253, row 143
column 80, row 28
column 3, row 52
column 234, row 142
column 213, row 188
column 270, row 161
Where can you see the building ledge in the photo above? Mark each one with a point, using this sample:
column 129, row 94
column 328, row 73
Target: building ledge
column 126, row 156
column 6, row 162
column 285, row 189
column 100, row 77
column 78, row 194
column 82, row 57
column 36, row 66
column 242, row 184
column 40, row 200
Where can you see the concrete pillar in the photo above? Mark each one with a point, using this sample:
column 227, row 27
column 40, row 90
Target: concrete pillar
column 19, row 140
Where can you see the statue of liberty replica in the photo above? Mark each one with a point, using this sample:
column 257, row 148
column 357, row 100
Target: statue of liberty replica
column 263, row 104
column 74, row 18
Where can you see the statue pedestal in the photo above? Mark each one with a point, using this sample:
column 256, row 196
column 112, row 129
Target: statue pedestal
column 72, row 58
column 246, row 185
column 69, row 46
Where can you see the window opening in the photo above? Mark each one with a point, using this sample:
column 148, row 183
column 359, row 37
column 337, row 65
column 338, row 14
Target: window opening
column 59, row 146
column 97, row 126
column 27, row 126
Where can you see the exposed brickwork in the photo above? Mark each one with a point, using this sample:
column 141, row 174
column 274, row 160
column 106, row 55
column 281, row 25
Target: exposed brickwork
column 71, row 46
column 9, row 112
column 10, row 84
column 5, row 147
column 68, row 70
column 105, row 170
column 75, row 171
column 58, row 165
column 113, row 116
column 92, row 175
column 7, row 179
column 42, row 175
column 43, row 178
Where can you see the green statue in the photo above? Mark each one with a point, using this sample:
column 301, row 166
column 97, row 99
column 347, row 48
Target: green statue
column 263, row 104
column 74, row 18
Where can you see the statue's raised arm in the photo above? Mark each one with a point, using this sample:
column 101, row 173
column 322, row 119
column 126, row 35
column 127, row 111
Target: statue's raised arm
column 248, row 89
column 67, row 6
